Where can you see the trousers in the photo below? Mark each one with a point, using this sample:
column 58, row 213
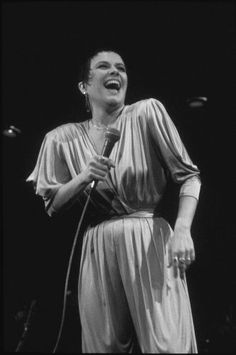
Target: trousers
column 127, row 292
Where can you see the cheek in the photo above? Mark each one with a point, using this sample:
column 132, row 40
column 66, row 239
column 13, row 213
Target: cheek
column 125, row 79
column 95, row 89
column 125, row 86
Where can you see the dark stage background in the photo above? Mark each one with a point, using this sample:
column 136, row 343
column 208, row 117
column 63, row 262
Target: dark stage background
column 174, row 51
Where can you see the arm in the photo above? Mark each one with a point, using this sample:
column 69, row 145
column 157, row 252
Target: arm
column 183, row 172
column 67, row 194
column 181, row 245
column 186, row 212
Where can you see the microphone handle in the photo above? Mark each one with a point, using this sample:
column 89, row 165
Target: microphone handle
column 94, row 185
column 106, row 150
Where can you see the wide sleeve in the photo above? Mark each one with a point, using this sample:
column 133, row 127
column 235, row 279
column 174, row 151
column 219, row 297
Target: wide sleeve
column 50, row 171
column 172, row 149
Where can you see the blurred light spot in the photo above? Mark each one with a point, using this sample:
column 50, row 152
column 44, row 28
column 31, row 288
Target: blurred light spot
column 197, row 101
column 11, row 132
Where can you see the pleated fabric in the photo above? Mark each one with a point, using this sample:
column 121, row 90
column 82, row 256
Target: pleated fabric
column 125, row 284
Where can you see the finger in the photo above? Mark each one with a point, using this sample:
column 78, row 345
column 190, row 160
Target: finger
column 175, row 263
column 188, row 261
column 182, row 270
column 99, row 177
column 176, row 272
column 106, row 161
column 181, row 258
column 111, row 163
column 99, row 170
column 187, row 258
column 97, row 165
column 175, row 260
column 102, row 159
column 192, row 255
column 182, row 265
column 169, row 257
column 99, row 159
column 99, row 173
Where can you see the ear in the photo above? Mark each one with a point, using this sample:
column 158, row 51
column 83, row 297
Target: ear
column 82, row 88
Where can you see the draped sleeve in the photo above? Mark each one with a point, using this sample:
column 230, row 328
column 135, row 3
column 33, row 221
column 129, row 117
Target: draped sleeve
column 172, row 149
column 51, row 170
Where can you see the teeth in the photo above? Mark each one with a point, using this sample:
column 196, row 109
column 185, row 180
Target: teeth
column 111, row 82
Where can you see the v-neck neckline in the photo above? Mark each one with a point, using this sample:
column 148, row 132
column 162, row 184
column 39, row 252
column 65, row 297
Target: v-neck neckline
column 93, row 150
column 91, row 141
column 85, row 125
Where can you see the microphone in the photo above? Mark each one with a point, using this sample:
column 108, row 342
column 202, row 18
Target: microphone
column 112, row 135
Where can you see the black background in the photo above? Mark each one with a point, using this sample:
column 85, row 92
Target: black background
column 173, row 51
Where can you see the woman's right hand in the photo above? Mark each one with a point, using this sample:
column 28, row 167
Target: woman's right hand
column 97, row 169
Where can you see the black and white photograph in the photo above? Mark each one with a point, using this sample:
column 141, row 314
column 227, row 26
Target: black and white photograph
column 118, row 176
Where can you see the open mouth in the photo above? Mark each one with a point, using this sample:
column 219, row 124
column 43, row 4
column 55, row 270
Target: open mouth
column 112, row 85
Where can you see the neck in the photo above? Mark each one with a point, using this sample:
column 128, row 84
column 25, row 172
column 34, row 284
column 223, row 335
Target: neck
column 105, row 117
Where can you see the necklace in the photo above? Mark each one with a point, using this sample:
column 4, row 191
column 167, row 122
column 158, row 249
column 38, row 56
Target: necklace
column 100, row 126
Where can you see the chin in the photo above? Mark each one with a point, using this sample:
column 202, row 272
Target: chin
column 115, row 101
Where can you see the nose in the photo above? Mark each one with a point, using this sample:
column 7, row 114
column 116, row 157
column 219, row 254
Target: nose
column 113, row 70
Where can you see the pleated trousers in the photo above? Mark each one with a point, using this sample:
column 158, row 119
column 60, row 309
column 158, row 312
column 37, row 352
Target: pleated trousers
column 127, row 292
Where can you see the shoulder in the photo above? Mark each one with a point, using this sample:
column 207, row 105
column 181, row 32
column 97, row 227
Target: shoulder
column 144, row 106
column 65, row 132
column 146, row 111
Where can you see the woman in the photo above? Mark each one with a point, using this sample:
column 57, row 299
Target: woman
column 132, row 269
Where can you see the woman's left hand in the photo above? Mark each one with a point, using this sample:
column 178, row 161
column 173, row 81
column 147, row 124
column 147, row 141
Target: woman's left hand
column 181, row 250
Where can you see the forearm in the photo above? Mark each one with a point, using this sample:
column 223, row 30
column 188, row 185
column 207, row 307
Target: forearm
column 188, row 200
column 186, row 211
column 68, row 194
column 181, row 246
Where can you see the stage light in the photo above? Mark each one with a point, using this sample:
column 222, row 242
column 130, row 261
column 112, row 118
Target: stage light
column 11, row 132
column 197, row 101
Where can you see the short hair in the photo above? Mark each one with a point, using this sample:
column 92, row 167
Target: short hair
column 85, row 67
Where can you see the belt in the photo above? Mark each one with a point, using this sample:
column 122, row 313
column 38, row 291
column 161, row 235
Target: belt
column 136, row 214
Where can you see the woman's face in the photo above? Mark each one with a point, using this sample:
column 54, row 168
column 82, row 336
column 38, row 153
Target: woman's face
column 108, row 80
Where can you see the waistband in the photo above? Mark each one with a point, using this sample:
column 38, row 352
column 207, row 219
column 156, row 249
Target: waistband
column 136, row 214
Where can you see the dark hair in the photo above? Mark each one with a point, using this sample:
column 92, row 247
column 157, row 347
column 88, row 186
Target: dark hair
column 85, row 67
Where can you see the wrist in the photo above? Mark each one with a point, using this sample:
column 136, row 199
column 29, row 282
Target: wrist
column 83, row 178
column 182, row 223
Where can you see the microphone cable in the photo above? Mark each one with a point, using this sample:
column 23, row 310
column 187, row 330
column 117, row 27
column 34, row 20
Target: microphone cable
column 112, row 135
column 69, row 268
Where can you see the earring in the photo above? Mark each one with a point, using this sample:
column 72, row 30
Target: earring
column 87, row 103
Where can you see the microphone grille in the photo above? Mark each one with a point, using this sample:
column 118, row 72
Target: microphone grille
column 112, row 134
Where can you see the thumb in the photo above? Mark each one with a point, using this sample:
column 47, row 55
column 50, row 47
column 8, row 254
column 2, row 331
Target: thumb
column 111, row 163
column 170, row 258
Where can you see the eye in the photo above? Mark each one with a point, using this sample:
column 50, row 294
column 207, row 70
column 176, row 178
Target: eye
column 121, row 68
column 102, row 66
